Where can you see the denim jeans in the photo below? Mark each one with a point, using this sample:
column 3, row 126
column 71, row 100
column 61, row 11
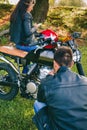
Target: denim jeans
column 38, row 105
column 26, row 48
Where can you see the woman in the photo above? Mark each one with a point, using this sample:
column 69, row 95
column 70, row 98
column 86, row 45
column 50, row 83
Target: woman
column 21, row 27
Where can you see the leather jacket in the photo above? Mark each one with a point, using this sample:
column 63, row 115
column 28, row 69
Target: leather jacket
column 65, row 94
column 21, row 31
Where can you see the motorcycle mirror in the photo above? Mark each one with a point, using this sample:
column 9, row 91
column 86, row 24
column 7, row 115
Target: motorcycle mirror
column 76, row 34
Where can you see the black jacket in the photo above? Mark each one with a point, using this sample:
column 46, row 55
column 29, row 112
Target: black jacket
column 65, row 94
column 21, row 31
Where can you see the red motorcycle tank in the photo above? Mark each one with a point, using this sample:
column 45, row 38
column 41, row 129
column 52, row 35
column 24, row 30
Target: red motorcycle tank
column 50, row 34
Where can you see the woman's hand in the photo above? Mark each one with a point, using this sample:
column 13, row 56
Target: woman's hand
column 37, row 25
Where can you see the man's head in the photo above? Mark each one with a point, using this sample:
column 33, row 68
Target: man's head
column 63, row 57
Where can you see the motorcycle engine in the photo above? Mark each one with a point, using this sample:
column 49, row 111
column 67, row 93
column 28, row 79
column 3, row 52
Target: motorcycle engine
column 32, row 86
column 31, row 89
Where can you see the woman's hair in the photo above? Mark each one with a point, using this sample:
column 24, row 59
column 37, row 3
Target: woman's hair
column 63, row 56
column 20, row 9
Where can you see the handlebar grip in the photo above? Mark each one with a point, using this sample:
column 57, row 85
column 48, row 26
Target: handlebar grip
column 48, row 40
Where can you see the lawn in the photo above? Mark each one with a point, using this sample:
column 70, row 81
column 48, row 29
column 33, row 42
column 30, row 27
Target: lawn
column 16, row 114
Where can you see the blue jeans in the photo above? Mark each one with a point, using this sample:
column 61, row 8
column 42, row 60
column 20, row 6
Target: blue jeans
column 26, row 48
column 38, row 105
column 41, row 119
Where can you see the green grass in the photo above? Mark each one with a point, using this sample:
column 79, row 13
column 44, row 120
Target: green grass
column 16, row 114
column 84, row 58
column 4, row 40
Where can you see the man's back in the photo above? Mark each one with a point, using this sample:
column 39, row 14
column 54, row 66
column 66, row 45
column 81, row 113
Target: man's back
column 65, row 94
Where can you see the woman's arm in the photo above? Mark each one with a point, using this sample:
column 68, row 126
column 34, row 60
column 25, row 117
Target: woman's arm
column 27, row 24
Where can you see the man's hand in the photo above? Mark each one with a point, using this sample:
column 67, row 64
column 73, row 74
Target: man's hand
column 51, row 72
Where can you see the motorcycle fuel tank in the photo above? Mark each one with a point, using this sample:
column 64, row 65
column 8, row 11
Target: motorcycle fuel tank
column 46, row 56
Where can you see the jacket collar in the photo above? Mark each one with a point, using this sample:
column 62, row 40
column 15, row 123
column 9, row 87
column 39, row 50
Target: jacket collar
column 62, row 69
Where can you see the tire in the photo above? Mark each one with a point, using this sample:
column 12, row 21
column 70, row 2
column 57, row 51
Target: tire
column 8, row 85
column 80, row 68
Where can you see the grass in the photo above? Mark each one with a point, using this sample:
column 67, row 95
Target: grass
column 4, row 40
column 16, row 114
column 83, row 50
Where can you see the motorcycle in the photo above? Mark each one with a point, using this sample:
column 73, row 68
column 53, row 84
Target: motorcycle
column 22, row 71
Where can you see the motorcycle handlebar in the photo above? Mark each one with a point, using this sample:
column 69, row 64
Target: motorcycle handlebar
column 46, row 41
column 76, row 35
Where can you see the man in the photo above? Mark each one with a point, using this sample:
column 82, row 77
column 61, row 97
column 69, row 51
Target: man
column 65, row 94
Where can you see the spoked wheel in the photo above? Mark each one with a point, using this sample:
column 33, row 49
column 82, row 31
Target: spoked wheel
column 8, row 86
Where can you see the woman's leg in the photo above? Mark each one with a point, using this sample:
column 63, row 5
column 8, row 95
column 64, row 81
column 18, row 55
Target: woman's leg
column 26, row 48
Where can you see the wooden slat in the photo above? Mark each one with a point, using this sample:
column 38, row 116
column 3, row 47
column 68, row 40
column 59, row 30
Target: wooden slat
column 13, row 51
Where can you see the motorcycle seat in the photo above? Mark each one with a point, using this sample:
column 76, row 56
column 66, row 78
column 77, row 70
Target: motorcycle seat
column 10, row 50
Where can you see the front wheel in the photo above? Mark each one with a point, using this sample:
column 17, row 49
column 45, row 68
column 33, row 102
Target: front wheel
column 8, row 86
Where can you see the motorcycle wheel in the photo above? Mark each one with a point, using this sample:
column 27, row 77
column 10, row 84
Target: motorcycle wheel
column 8, row 87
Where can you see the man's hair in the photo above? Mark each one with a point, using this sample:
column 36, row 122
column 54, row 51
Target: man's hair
column 63, row 56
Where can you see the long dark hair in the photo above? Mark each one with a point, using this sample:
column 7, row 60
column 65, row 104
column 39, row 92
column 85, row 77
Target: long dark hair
column 20, row 9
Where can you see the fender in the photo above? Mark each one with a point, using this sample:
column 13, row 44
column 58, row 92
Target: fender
column 8, row 62
column 14, row 52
